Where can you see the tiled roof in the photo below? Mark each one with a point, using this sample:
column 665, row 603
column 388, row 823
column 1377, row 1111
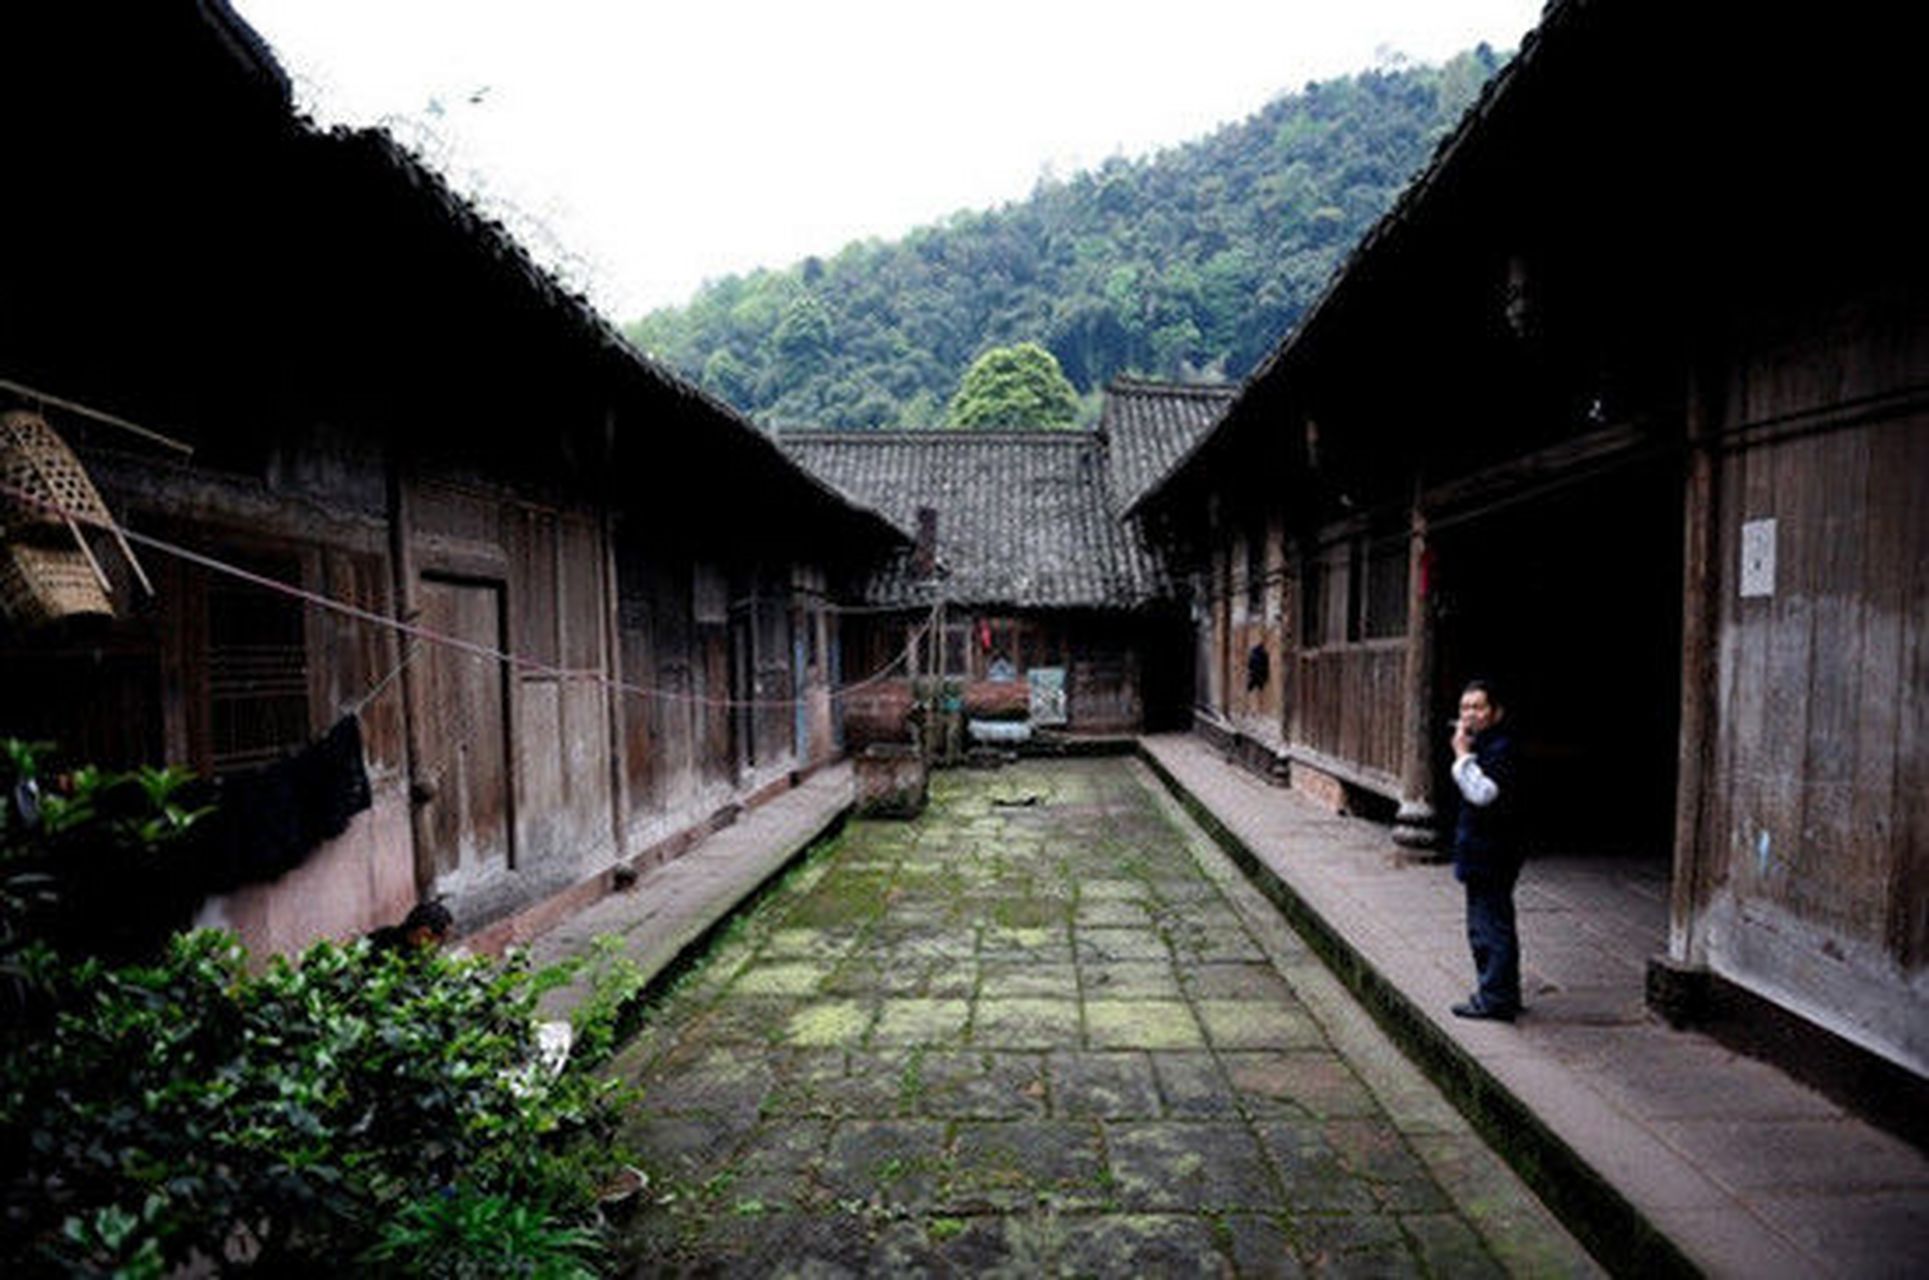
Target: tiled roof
column 1022, row 518
column 1150, row 425
column 1026, row 519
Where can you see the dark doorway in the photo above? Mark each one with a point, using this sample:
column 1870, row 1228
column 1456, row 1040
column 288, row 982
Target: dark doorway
column 1166, row 672
column 1572, row 601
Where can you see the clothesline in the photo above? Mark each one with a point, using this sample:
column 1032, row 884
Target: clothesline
column 526, row 665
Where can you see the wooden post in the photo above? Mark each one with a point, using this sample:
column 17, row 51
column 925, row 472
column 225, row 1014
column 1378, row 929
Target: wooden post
column 614, row 695
column 408, row 608
column 1413, row 825
column 1700, row 630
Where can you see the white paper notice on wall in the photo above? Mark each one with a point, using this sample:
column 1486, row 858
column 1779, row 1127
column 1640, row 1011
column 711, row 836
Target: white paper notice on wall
column 1758, row 557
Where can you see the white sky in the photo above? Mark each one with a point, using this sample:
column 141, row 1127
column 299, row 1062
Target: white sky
column 644, row 148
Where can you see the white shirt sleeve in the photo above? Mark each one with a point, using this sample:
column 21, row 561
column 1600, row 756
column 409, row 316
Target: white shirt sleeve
column 1479, row 789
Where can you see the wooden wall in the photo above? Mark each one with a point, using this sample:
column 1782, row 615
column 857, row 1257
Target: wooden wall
column 1340, row 698
column 1103, row 654
column 1815, row 839
column 1256, row 618
column 515, row 769
column 215, row 673
column 1349, row 703
column 517, row 760
column 715, row 647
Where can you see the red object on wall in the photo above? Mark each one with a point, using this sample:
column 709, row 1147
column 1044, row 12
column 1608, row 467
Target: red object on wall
column 984, row 635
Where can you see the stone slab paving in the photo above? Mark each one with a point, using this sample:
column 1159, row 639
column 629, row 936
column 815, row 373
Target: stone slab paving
column 673, row 905
column 1046, row 1029
column 1746, row 1171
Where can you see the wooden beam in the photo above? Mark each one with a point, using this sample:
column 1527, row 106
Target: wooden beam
column 1531, row 470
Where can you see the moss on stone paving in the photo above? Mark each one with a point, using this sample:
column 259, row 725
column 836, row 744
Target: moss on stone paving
column 1032, row 1038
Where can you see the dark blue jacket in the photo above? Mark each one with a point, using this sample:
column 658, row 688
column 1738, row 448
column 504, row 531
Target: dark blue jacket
column 1484, row 837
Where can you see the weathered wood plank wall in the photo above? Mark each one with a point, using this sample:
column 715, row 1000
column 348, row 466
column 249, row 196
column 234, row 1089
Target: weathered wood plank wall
column 1816, row 821
column 1349, row 703
column 519, row 758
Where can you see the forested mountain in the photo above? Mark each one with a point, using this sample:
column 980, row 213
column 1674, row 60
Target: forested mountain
column 1190, row 263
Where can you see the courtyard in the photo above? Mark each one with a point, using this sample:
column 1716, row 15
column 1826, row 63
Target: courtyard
column 1045, row 1029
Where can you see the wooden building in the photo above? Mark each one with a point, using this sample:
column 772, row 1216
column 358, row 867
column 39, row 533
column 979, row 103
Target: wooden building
column 388, row 407
column 1020, row 536
column 1624, row 405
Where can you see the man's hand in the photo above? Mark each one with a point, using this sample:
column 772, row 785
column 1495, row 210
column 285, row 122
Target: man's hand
column 1463, row 742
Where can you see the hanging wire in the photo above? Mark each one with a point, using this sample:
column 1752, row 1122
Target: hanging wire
column 409, row 651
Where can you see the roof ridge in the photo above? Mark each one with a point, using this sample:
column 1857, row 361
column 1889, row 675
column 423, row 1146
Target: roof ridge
column 936, row 435
column 1143, row 386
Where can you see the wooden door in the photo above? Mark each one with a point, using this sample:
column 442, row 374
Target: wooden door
column 465, row 733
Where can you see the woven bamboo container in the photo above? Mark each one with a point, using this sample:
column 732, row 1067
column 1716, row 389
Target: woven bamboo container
column 41, row 584
column 45, row 499
column 35, row 460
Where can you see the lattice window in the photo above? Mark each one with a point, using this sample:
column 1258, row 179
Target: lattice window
column 257, row 667
column 1386, row 588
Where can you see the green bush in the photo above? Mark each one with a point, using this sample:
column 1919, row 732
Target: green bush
column 467, row 1235
column 162, row 1105
column 317, row 1113
column 91, row 860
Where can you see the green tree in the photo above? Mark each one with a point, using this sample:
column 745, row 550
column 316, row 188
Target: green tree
column 1017, row 386
column 1194, row 259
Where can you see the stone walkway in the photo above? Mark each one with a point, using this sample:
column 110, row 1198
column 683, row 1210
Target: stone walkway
column 1046, row 1029
column 1661, row 1142
column 673, row 905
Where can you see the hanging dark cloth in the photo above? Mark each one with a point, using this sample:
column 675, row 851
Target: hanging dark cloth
column 268, row 820
column 1259, row 667
column 331, row 782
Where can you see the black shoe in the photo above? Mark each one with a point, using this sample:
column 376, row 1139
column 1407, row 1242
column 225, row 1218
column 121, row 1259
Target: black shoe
column 1490, row 1013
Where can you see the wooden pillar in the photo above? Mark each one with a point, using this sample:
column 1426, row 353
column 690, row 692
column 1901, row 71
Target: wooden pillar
column 1700, row 631
column 408, row 608
column 1222, row 627
column 1414, row 824
column 615, row 695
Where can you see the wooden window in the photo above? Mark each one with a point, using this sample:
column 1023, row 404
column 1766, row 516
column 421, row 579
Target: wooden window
column 1385, row 605
column 1328, row 590
column 1256, row 574
column 1354, row 590
column 257, row 666
column 956, row 657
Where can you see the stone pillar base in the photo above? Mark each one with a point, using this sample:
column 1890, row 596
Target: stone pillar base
column 1413, row 827
column 1678, row 991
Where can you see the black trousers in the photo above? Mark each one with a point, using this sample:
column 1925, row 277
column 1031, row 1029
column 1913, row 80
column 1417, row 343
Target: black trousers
column 1493, row 938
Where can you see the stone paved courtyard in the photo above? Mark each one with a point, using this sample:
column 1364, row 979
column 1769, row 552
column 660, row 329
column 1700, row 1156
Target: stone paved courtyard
column 1044, row 1029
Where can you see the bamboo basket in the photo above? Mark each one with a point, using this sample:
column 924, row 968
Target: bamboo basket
column 46, row 491
column 40, row 584
column 35, row 460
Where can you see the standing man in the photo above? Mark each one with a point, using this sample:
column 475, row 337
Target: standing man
column 1486, row 852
